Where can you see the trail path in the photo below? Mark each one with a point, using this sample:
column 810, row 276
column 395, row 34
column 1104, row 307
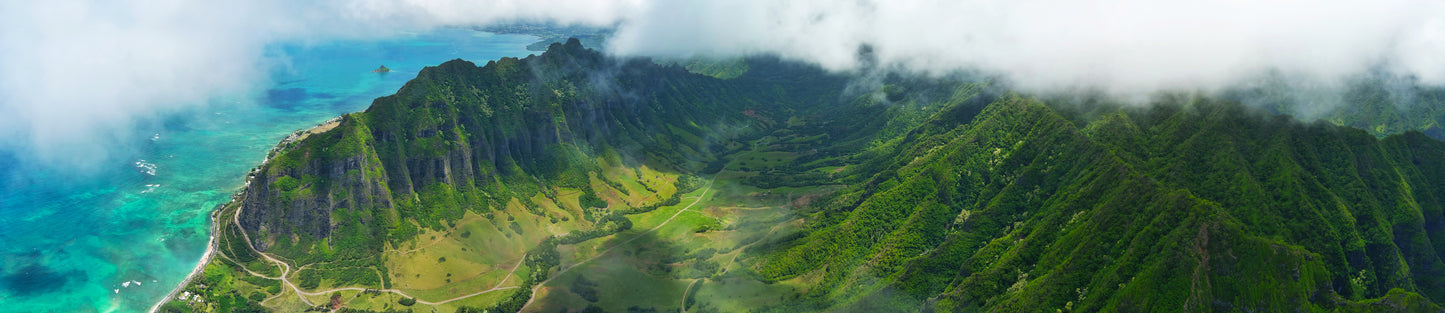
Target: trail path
column 286, row 270
column 495, row 288
column 683, row 305
column 286, row 267
column 725, row 266
column 634, row 238
column 212, row 249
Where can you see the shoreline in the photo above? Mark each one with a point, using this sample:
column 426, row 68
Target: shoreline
column 200, row 266
column 212, row 244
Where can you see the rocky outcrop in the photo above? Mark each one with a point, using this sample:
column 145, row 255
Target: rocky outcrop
column 274, row 208
column 512, row 124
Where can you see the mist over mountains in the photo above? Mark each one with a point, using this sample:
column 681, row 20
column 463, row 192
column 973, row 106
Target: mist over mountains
column 602, row 184
column 146, row 58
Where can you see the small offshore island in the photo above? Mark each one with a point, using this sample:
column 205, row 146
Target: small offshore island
column 382, row 69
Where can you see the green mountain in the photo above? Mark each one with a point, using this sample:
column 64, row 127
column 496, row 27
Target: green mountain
column 1187, row 205
column 574, row 182
column 1379, row 102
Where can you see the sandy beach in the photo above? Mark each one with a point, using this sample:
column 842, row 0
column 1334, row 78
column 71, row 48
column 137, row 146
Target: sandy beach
column 215, row 213
column 200, row 265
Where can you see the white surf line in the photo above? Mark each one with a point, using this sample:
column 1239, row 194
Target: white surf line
column 196, row 271
column 639, row 236
column 212, row 242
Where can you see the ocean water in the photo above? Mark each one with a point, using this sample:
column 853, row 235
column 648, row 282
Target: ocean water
column 120, row 239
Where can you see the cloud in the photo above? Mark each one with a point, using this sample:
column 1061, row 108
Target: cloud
column 1122, row 45
column 76, row 76
column 70, row 68
column 76, row 71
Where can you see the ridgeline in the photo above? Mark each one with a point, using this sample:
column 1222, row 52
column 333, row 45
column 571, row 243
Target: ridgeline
column 579, row 182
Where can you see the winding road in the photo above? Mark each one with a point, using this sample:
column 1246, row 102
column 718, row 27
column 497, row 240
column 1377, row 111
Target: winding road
column 286, row 270
column 739, row 252
column 634, row 238
column 286, row 267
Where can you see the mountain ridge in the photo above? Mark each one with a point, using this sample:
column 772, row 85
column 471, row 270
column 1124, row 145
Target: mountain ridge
column 921, row 195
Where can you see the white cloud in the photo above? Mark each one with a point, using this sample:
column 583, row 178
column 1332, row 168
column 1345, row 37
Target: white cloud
column 1122, row 45
column 74, row 71
column 76, row 74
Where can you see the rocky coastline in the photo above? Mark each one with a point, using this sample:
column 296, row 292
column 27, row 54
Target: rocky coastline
column 237, row 197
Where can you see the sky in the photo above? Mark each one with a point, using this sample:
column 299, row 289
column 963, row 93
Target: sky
column 77, row 75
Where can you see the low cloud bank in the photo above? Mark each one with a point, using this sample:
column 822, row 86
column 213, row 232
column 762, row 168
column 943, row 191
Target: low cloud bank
column 77, row 74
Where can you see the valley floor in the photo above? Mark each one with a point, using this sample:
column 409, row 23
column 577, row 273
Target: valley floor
column 678, row 257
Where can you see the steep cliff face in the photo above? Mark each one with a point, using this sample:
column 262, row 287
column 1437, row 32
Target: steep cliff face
column 477, row 136
column 966, row 199
column 295, row 198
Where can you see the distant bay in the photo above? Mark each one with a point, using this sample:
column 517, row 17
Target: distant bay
column 120, row 239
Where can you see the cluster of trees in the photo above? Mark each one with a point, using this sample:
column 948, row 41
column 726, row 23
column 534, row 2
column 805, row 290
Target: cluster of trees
column 459, row 137
column 959, row 197
column 589, row 199
column 1024, row 207
column 217, row 293
column 607, row 225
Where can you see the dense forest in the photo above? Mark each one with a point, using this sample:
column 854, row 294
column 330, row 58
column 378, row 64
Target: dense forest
column 923, row 194
column 1186, row 205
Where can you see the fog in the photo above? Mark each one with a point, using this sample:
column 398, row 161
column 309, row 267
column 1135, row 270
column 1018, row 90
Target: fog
column 76, row 75
column 1119, row 45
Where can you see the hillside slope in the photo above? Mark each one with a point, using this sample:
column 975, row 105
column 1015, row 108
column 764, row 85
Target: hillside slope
column 1185, row 206
column 787, row 189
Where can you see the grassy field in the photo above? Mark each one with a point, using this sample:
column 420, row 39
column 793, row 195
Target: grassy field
column 692, row 247
column 736, row 294
column 651, row 266
column 478, row 252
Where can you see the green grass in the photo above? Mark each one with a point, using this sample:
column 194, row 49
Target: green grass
column 622, row 285
column 637, row 269
column 738, row 294
column 946, row 196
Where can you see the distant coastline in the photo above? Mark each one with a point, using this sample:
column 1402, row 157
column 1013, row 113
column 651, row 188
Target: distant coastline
column 200, row 265
column 212, row 244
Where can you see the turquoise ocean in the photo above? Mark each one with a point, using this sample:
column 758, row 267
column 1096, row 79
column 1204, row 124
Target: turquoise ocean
column 120, row 239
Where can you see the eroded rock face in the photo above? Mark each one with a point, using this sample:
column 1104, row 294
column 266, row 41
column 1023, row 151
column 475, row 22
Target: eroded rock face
column 511, row 124
column 341, row 184
column 333, row 184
